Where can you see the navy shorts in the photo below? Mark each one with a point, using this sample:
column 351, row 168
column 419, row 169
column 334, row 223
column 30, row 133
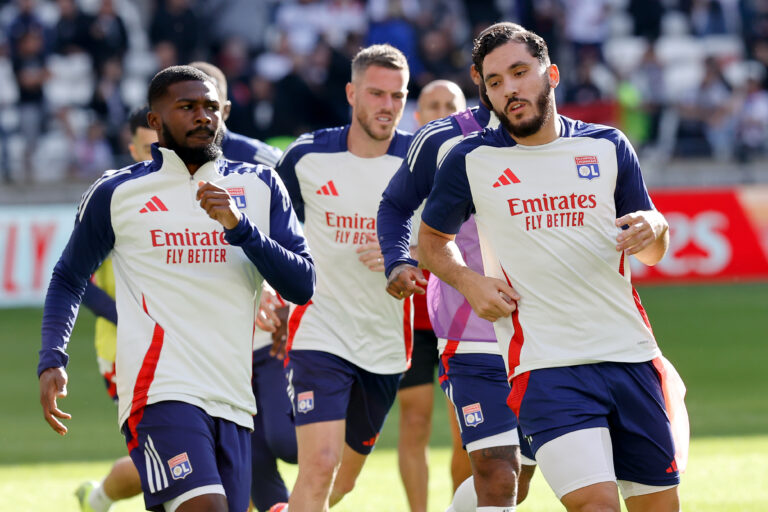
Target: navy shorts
column 179, row 449
column 423, row 360
column 625, row 398
column 477, row 386
column 325, row 387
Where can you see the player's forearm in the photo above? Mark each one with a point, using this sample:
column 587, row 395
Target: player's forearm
column 441, row 256
column 394, row 231
column 656, row 250
column 290, row 272
column 100, row 303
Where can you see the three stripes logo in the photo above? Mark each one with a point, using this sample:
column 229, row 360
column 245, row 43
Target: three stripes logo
column 506, row 178
column 329, row 189
column 154, row 205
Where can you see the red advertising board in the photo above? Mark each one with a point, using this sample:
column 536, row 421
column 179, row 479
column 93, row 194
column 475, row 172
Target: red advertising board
column 715, row 235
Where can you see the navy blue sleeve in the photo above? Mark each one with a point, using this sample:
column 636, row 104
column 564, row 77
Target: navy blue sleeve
column 100, row 303
column 286, row 168
column 450, row 203
column 407, row 189
column 283, row 258
column 91, row 241
column 630, row 194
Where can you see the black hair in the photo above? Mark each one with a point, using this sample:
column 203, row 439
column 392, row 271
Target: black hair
column 138, row 119
column 219, row 79
column 500, row 34
column 171, row 75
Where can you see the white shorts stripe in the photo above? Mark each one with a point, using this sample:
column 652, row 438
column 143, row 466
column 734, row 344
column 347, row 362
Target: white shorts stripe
column 161, row 476
column 149, row 463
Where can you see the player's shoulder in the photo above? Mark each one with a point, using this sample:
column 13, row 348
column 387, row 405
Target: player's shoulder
column 239, row 147
column 400, row 143
column 250, row 170
column 576, row 128
column 429, row 138
column 325, row 140
column 101, row 191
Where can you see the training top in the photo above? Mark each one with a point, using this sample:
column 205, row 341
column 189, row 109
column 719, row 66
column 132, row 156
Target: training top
column 186, row 288
column 546, row 219
column 459, row 329
column 336, row 194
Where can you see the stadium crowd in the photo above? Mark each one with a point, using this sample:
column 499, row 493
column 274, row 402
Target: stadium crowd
column 683, row 78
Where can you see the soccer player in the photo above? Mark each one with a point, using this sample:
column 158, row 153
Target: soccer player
column 122, row 481
column 415, row 396
column 472, row 372
column 273, row 435
column 192, row 238
column 349, row 346
column 559, row 206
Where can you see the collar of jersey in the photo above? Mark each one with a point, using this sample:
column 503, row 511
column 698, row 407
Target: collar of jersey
column 509, row 141
column 167, row 160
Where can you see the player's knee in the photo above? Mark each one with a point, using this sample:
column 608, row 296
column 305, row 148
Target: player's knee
column 524, row 482
column 342, row 487
column 495, row 477
column 322, row 465
column 415, row 428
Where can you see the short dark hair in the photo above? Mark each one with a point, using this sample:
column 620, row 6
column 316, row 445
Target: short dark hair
column 383, row 55
column 138, row 119
column 172, row 75
column 500, row 34
column 219, row 80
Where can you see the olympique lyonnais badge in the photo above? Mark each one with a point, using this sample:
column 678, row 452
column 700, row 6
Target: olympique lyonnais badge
column 587, row 168
column 473, row 414
column 238, row 194
column 180, row 466
column 306, row 401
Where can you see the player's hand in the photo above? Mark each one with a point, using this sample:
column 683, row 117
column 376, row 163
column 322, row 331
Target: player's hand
column 267, row 320
column 370, row 255
column 280, row 336
column 53, row 385
column 489, row 297
column 218, row 204
column 404, row 281
column 644, row 228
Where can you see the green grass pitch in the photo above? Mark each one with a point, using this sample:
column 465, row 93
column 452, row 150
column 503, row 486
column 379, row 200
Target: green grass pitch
column 715, row 335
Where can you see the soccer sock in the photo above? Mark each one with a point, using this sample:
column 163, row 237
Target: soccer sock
column 495, row 509
column 464, row 499
column 99, row 501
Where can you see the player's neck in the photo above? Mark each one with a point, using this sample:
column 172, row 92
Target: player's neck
column 360, row 144
column 549, row 132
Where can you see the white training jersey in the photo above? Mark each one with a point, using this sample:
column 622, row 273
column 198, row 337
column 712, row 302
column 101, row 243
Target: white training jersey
column 186, row 288
column 546, row 221
column 337, row 194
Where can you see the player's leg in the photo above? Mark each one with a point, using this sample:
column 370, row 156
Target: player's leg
column 416, row 398
column 203, row 466
column 461, row 468
column 371, row 397
column 477, row 386
column 273, row 435
column 527, row 467
column 667, row 500
column 319, row 385
column 122, row 481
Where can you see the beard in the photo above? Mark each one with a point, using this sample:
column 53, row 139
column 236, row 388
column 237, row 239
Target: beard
column 366, row 126
column 532, row 126
column 195, row 155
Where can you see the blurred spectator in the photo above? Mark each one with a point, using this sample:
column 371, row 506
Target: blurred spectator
column 176, row 23
column 24, row 21
column 752, row 121
column 28, row 57
column 393, row 22
column 707, row 17
column 648, row 80
column 583, row 90
column 441, row 60
column 586, row 26
column 107, row 36
column 71, row 31
column 91, row 154
column 709, row 111
column 646, row 15
column 108, row 104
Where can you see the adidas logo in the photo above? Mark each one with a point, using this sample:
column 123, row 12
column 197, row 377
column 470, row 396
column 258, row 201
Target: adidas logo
column 672, row 467
column 329, row 189
column 506, row 178
column 154, row 205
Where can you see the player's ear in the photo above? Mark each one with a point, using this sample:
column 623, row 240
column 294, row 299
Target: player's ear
column 154, row 121
column 226, row 109
column 553, row 75
column 132, row 151
column 475, row 74
column 350, row 90
column 417, row 117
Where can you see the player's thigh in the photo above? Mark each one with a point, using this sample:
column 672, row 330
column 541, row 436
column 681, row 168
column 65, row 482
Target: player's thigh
column 181, row 452
column 319, row 386
column 477, row 386
column 423, row 360
column 371, row 399
column 416, row 404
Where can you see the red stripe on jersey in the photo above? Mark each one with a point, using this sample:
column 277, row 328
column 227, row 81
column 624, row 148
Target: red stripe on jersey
column 621, row 263
column 636, row 297
column 407, row 330
column 293, row 325
column 144, row 381
column 518, row 338
column 515, row 397
column 333, row 188
column 159, row 203
column 511, row 175
column 448, row 353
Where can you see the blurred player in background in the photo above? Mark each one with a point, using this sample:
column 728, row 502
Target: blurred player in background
column 559, row 206
column 122, row 481
column 437, row 100
column 349, row 346
column 273, row 434
column 472, row 372
column 185, row 293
